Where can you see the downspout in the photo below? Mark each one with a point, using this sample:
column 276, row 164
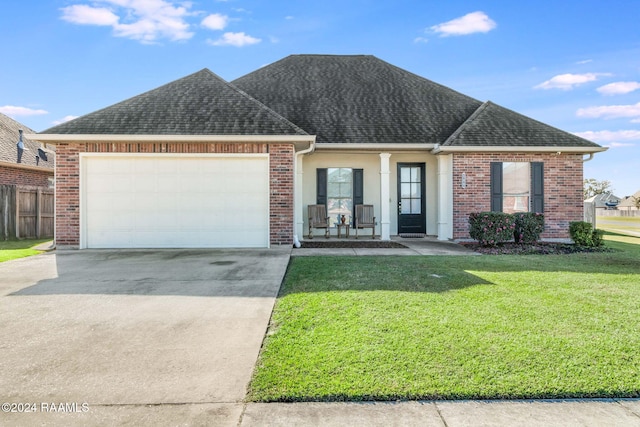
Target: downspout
column 590, row 158
column 297, row 192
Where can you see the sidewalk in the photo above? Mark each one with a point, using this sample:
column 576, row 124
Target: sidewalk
column 525, row 413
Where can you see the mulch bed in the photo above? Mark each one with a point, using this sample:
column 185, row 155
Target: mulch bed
column 329, row 244
column 540, row 248
column 509, row 248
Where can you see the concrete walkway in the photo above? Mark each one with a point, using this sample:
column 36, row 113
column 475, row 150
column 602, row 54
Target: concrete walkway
column 414, row 247
column 529, row 413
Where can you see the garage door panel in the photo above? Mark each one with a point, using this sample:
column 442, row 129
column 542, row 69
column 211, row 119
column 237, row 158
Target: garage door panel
column 176, row 202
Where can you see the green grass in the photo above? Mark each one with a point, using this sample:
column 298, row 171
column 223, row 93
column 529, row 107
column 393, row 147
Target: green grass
column 622, row 226
column 618, row 218
column 14, row 249
column 438, row 327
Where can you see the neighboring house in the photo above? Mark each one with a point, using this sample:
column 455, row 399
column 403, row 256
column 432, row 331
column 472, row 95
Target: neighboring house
column 604, row 201
column 200, row 162
column 36, row 162
column 630, row 203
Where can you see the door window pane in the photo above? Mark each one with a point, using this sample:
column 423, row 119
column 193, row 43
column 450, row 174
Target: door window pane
column 406, row 206
column 405, row 190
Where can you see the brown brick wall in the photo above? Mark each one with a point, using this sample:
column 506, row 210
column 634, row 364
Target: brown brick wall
column 17, row 176
column 67, row 194
column 68, row 181
column 562, row 189
column 281, row 193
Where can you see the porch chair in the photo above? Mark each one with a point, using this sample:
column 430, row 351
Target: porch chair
column 318, row 219
column 365, row 219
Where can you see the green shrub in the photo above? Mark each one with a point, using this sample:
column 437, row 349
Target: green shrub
column 583, row 234
column 529, row 226
column 598, row 238
column 491, row 228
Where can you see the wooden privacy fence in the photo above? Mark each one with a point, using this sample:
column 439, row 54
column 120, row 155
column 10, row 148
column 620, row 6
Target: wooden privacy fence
column 26, row 212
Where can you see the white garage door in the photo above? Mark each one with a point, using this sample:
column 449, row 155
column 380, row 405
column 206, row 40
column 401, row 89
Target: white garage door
column 152, row 201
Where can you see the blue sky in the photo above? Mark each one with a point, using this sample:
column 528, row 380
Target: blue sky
column 572, row 64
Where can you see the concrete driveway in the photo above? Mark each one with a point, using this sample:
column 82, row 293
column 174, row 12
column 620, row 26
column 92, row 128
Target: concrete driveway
column 139, row 337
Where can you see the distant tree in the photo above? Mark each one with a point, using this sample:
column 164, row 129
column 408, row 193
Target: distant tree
column 593, row 187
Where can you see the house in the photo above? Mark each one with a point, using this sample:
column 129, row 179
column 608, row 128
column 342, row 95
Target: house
column 201, row 162
column 604, row 201
column 630, row 203
column 34, row 167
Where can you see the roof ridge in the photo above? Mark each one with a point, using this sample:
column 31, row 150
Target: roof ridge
column 467, row 122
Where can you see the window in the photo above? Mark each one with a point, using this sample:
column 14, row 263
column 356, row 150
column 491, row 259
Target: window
column 340, row 189
column 517, row 187
column 339, row 194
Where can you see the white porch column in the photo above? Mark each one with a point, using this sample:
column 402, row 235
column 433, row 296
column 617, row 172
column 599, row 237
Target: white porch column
column 298, row 218
column 385, row 199
column 445, row 196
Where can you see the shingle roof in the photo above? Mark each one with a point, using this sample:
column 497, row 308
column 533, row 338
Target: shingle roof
column 493, row 125
column 199, row 104
column 9, row 138
column 630, row 202
column 358, row 99
column 601, row 200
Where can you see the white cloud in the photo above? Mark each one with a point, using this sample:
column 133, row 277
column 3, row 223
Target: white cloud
column 86, row 15
column 215, row 21
column 586, row 61
column 142, row 20
column 234, row 39
column 610, row 136
column 421, row 40
column 14, row 111
column 64, row 120
column 618, row 88
column 612, row 112
column 289, row 17
column 475, row 22
column 569, row 81
column 620, row 145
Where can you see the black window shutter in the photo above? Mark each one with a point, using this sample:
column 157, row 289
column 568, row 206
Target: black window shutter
column 358, row 187
column 496, row 186
column 321, row 186
column 358, row 191
column 537, row 187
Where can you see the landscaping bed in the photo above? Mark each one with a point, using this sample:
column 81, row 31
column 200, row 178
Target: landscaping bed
column 538, row 248
column 331, row 244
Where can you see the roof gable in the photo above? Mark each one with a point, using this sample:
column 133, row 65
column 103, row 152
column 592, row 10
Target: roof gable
column 358, row 99
column 199, row 104
column 630, row 202
column 494, row 126
column 9, row 136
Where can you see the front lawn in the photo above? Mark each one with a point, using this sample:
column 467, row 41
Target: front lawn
column 13, row 249
column 455, row 327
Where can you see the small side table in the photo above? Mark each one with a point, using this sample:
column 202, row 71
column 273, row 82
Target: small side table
column 346, row 227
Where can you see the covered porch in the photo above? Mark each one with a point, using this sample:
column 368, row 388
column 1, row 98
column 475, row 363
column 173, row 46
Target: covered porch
column 409, row 188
